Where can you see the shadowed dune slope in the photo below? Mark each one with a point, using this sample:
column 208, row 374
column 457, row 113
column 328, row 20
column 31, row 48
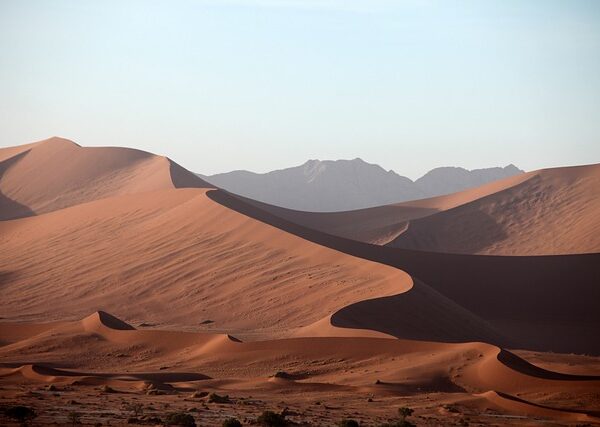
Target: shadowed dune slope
column 540, row 302
column 57, row 173
column 382, row 224
column 554, row 211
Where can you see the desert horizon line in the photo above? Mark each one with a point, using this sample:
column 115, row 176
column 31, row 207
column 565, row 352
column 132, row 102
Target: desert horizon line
column 397, row 171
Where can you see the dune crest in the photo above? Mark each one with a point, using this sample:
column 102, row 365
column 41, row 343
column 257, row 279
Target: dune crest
column 100, row 320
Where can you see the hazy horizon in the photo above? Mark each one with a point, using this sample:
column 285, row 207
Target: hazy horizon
column 261, row 85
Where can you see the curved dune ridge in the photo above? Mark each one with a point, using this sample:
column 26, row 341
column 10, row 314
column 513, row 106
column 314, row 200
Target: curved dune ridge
column 490, row 373
column 524, row 298
column 57, row 173
column 185, row 259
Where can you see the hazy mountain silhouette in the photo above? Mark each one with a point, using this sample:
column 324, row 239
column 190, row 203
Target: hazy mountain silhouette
column 335, row 185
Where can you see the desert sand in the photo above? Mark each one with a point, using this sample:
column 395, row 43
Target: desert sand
column 126, row 279
column 545, row 212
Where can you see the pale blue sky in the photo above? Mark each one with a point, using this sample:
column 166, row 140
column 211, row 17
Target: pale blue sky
column 265, row 84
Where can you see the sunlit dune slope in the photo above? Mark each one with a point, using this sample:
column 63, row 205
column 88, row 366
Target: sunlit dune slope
column 382, row 224
column 57, row 173
column 553, row 211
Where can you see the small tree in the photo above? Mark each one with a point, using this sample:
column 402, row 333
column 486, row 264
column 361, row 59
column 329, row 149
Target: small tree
column 404, row 412
column 136, row 408
column 74, row 418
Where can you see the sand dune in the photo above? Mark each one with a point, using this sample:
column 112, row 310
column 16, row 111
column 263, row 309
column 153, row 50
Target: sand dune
column 185, row 259
column 207, row 289
column 529, row 299
column 383, row 224
column 546, row 212
column 57, row 173
column 406, row 366
column 554, row 211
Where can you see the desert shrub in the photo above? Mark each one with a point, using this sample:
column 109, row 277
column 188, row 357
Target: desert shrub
column 231, row 422
column 74, row 418
column 180, row 419
column 271, row 419
column 136, row 408
column 22, row 414
column 215, row 398
column 348, row 423
column 405, row 412
column 451, row 408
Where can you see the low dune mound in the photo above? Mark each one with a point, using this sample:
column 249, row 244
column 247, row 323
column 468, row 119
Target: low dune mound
column 554, row 211
column 383, row 224
column 101, row 320
column 512, row 404
column 57, row 173
column 475, row 372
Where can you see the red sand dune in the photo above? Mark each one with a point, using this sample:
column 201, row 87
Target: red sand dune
column 454, row 368
column 185, row 259
column 57, row 173
column 546, row 212
column 554, row 211
column 546, row 303
column 382, row 224
column 112, row 229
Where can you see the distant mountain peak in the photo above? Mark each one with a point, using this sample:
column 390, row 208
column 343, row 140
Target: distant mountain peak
column 346, row 184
